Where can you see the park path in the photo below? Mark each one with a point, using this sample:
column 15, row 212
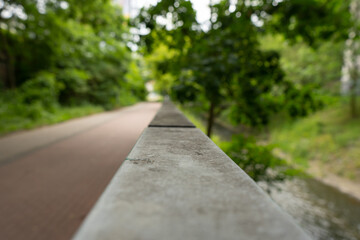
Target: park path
column 52, row 176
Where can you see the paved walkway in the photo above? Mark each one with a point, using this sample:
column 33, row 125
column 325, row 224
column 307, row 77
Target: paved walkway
column 51, row 177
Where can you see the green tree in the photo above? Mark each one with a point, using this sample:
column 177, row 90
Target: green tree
column 304, row 65
column 81, row 43
column 351, row 60
column 225, row 65
column 257, row 160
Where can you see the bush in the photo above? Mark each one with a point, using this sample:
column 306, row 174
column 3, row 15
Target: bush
column 105, row 94
column 75, row 86
column 257, row 160
column 135, row 81
column 42, row 91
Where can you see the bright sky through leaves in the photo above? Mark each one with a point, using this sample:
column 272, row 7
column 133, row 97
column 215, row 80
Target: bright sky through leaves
column 201, row 7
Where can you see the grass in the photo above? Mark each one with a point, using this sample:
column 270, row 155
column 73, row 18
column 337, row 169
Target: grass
column 199, row 124
column 10, row 121
column 330, row 138
column 16, row 114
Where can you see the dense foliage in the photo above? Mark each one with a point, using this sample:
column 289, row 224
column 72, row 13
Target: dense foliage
column 66, row 53
column 303, row 65
column 256, row 160
column 224, row 66
column 251, row 60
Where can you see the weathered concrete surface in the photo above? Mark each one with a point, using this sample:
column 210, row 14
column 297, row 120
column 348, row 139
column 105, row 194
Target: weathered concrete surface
column 170, row 116
column 177, row 184
column 46, row 193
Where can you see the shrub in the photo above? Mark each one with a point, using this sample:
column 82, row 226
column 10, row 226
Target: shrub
column 257, row 160
column 75, row 86
column 42, row 90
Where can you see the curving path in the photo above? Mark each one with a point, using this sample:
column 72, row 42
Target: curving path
column 51, row 177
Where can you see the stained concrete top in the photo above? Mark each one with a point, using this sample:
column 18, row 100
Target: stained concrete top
column 177, row 184
column 170, row 116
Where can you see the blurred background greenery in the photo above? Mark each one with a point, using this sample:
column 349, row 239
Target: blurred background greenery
column 274, row 69
column 284, row 72
column 64, row 59
column 273, row 82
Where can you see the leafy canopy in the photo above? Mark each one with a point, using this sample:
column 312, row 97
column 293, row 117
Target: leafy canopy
column 224, row 66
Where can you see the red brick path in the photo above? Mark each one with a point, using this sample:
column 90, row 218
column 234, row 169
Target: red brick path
column 47, row 193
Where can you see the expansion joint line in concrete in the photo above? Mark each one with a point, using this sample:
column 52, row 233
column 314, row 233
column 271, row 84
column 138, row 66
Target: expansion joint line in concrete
column 170, row 126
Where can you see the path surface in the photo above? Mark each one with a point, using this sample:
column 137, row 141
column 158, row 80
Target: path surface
column 51, row 177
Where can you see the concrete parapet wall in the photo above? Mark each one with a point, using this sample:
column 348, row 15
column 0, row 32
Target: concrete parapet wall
column 177, row 184
column 170, row 116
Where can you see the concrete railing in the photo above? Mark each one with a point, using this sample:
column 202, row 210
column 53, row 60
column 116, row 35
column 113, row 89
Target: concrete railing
column 177, row 184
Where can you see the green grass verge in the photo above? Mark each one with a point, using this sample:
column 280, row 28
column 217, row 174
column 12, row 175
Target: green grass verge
column 199, row 124
column 16, row 113
column 10, row 121
column 330, row 138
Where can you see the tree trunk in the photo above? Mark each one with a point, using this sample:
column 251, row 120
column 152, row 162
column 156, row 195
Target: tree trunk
column 353, row 105
column 351, row 60
column 353, row 91
column 9, row 78
column 353, row 95
column 211, row 118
